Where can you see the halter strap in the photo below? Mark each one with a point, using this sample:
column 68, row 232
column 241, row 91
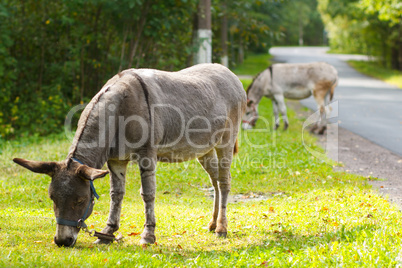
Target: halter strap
column 76, row 160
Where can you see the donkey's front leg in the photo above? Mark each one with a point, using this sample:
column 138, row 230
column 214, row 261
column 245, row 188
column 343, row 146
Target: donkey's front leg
column 147, row 167
column 117, row 191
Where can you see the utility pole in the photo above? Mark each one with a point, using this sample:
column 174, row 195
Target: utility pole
column 204, row 33
column 224, row 36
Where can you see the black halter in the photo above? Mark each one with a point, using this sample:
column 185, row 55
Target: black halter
column 81, row 222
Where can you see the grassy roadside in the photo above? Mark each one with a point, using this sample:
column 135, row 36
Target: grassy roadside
column 373, row 69
column 253, row 64
column 311, row 216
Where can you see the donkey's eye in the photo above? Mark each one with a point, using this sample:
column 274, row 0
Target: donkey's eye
column 80, row 201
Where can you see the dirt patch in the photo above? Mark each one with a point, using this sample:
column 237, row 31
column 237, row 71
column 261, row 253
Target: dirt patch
column 209, row 191
column 382, row 167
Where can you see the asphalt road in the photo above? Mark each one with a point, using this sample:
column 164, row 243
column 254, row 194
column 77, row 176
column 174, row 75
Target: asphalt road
column 365, row 106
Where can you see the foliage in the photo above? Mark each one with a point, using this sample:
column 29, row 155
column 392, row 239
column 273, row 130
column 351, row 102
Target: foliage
column 301, row 23
column 373, row 69
column 372, row 27
column 56, row 54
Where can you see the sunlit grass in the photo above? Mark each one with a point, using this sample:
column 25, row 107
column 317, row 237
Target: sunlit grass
column 374, row 69
column 312, row 216
column 253, row 64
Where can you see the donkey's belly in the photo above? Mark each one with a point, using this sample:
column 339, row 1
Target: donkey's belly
column 182, row 154
column 297, row 93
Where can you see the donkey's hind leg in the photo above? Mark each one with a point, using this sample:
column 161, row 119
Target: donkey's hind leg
column 117, row 191
column 210, row 163
column 320, row 92
column 225, row 156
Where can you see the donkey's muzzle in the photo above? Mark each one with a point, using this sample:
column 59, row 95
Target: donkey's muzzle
column 65, row 242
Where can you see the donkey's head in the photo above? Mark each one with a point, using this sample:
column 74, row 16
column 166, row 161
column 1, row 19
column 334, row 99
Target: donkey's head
column 71, row 192
column 250, row 116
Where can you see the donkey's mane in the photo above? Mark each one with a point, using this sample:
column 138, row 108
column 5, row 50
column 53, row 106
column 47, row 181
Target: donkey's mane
column 80, row 130
column 255, row 78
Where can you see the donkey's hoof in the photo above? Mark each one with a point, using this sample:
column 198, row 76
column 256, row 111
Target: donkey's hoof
column 221, row 234
column 276, row 127
column 212, row 226
column 322, row 130
column 103, row 242
column 150, row 239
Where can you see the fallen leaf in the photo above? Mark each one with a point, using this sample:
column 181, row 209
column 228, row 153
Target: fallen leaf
column 180, row 247
column 133, row 234
column 325, row 209
column 133, row 226
column 271, row 209
column 38, row 242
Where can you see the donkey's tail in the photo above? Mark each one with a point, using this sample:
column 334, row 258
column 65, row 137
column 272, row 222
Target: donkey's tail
column 236, row 147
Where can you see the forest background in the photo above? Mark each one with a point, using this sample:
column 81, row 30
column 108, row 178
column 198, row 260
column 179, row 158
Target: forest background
column 57, row 54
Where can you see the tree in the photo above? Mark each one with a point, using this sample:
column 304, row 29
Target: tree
column 372, row 27
column 204, row 33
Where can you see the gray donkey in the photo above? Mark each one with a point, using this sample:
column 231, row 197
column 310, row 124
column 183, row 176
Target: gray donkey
column 291, row 81
column 146, row 116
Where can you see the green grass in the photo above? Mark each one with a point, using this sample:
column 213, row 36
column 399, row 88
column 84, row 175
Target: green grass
column 312, row 217
column 373, row 69
column 253, row 64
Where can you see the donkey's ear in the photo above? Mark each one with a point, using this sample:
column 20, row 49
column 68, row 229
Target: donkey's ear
column 38, row 166
column 89, row 173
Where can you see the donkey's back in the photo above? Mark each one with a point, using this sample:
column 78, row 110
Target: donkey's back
column 190, row 111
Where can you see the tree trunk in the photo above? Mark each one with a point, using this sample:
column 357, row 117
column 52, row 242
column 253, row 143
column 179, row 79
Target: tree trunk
column 123, row 47
column 241, row 50
column 42, row 66
column 204, row 33
column 140, row 28
column 399, row 45
column 301, row 41
column 224, row 37
column 82, row 75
